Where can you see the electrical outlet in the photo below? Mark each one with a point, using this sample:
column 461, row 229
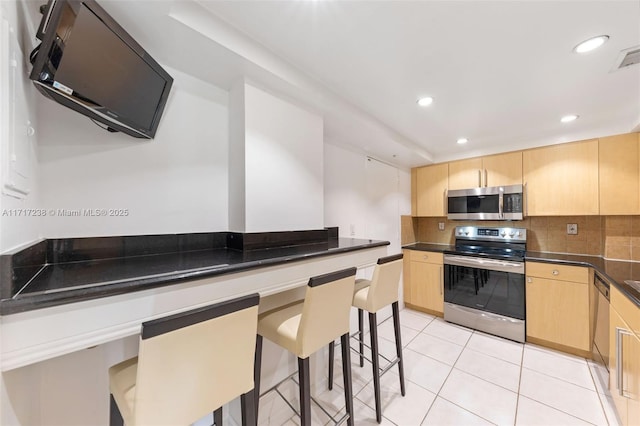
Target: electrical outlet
column 352, row 230
column 572, row 228
column 441, row 226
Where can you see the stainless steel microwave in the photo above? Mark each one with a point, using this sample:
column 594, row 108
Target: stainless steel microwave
column 488, row 203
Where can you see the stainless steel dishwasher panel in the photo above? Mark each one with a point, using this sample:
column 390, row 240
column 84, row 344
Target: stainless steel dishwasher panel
column 600, row 347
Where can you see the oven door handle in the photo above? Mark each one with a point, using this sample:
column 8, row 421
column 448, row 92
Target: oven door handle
column 481, row 263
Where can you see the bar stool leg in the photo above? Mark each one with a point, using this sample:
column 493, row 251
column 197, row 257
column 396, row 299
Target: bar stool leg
column 115, row 418
column 331, row 355
column 373, row 331
column 346, row 374
column 396, row 328
column 361, row 335
column 248, row 406
column 305, row 391
column 257, row 367
column 217, row 417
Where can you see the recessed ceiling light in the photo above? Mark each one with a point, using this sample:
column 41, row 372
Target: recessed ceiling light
column 591, row 44
column 462, row 141
column 569, row 118
column 426, row 101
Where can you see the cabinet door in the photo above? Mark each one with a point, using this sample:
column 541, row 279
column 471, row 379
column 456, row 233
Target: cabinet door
column 465, row 174
column 619, row 168
column 625, row 316
column 623, row 345
column 631, row 364
column 502, row 169
column 562, row 179
column 426, row 286
column 406, row 277
column 431, row 188
column 558, row 312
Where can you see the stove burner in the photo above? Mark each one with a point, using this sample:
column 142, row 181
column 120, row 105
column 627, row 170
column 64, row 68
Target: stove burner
column 496, row 243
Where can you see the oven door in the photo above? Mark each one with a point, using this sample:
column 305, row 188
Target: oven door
column 490, row 285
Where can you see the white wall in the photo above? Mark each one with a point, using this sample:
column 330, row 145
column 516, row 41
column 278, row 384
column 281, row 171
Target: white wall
column 172, row 184
column 284, row 165
column 237, row 158
column 17, row 115
column 365, row 197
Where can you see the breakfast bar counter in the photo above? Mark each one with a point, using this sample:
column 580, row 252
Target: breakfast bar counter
column 82, row 297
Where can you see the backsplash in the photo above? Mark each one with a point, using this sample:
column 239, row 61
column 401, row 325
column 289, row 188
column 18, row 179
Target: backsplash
column 614, row 237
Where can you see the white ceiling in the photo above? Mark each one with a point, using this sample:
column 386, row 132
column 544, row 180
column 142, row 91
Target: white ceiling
column 502, row 73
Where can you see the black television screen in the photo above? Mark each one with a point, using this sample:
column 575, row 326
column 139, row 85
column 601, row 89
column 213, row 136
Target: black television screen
column 87, row 62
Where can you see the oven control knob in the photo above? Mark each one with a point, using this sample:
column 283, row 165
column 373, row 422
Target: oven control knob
column 504, row 234
column 518, row 234
column 511, row 234
column 466, row 232
column 460, row 232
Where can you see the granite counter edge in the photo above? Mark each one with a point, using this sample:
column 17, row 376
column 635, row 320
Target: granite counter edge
column 46, row 300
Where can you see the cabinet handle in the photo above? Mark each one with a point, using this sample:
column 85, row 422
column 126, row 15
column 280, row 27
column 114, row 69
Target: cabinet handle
column 620, row 332
column 425, row 257
column 555, row 272
column 529, row 280
column 486, row 178
column 441, row 280
column 479, row 178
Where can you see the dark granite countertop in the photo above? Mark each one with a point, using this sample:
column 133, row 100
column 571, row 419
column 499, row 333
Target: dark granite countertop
column 614, row 271
column 64, row 282
column 437, row 248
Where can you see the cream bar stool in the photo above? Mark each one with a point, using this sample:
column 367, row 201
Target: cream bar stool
column 304, row 327
column 188, row 365
column 371, row 296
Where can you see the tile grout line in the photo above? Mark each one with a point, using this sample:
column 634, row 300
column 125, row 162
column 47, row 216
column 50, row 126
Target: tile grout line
column 445, row 381
column 562, row 380
column 515, row 418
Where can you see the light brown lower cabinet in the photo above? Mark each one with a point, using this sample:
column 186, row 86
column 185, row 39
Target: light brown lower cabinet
column 423, row 281
column 558, row 307
column 624, row 358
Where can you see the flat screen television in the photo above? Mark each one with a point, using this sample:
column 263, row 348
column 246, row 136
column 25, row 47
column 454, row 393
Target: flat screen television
column 89, row 63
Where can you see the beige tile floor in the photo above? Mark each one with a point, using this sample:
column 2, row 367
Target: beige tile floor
column 458, row 376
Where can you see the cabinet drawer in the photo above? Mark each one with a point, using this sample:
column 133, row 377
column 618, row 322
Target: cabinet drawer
column 425, row 256
column 553, row 271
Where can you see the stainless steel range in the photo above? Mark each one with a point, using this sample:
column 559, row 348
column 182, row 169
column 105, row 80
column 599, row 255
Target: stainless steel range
column 484, row 280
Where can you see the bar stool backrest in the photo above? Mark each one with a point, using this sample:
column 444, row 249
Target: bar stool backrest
column 383, row 290
column 325, row 313
column 192, row 363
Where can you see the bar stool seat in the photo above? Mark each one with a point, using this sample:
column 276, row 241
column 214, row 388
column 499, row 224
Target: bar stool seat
column 189, row 364
column 304, row 327
column 371, row 296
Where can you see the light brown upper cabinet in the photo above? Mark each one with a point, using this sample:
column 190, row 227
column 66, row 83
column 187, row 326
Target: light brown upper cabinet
column 494, row 170
column 619, row 168
column 431, row 190
column 562, row 180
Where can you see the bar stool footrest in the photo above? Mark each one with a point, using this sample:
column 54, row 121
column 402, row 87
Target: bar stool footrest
column 292, row 377
column 390, row 362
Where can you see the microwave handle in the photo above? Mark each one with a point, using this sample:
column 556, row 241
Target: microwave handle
column 501, row 205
